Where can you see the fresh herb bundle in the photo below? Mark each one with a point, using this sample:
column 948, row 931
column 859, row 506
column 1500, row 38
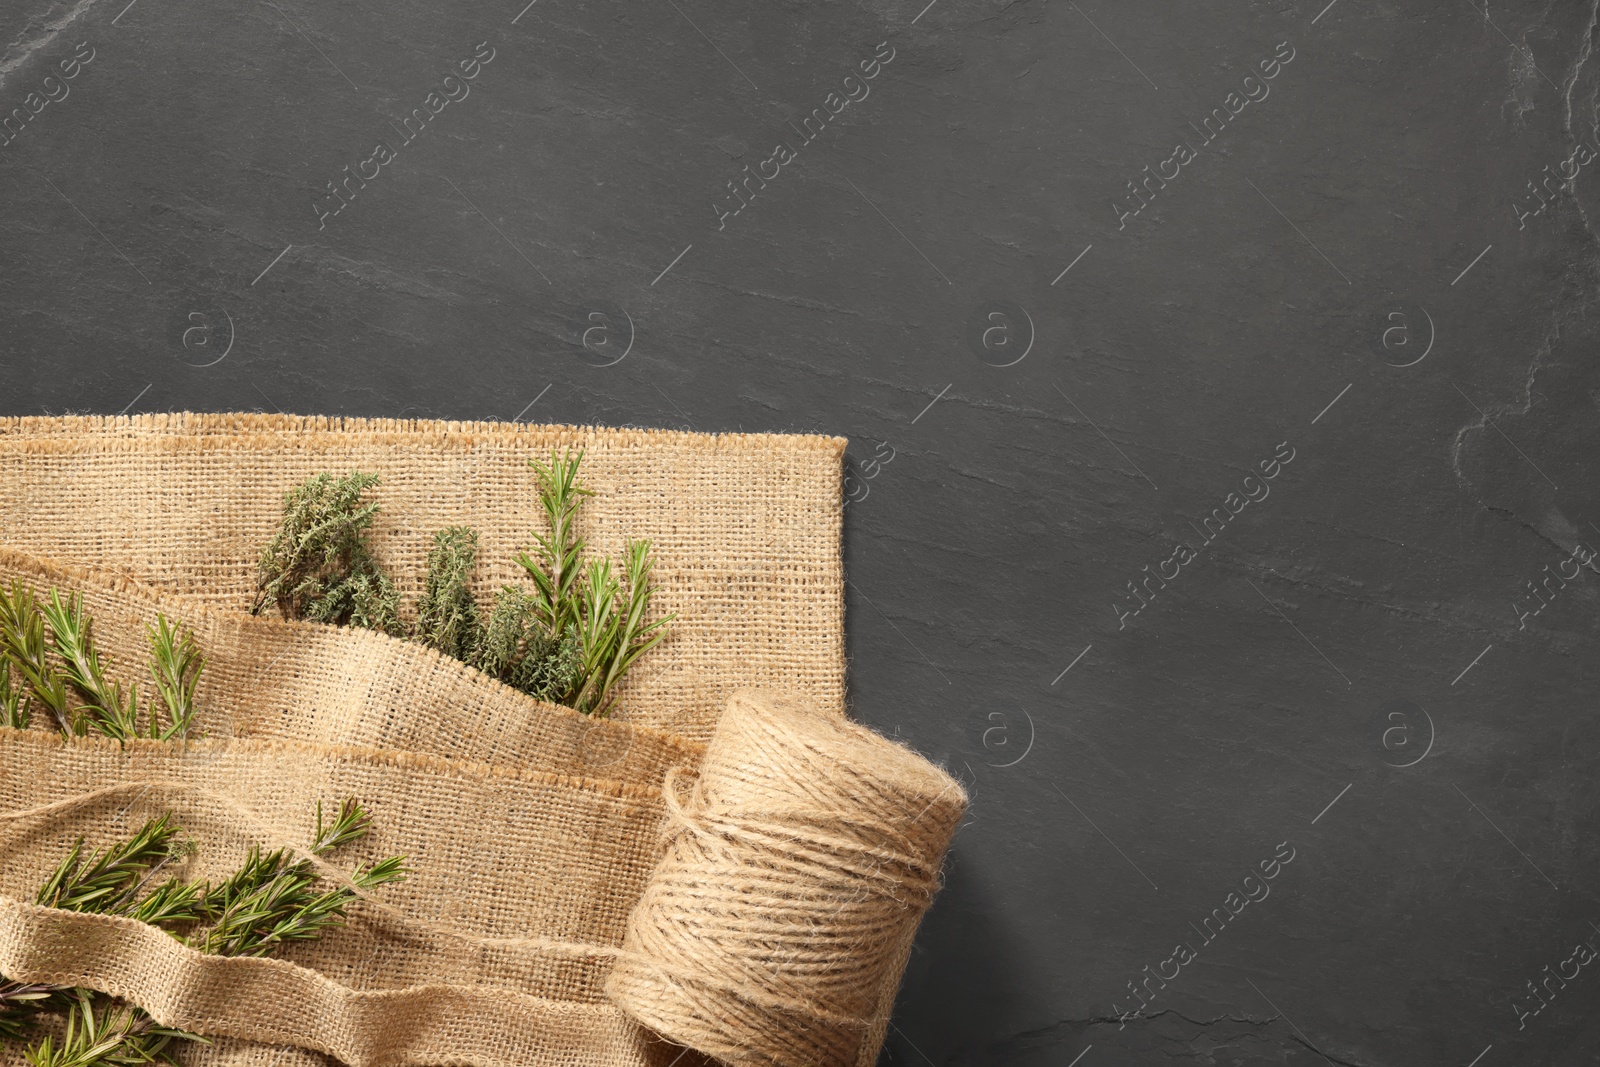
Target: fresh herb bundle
column 319, row 566
column 49, row 662
column 447, row 615
column 569, row 639
column 517, row 648
column 271, row 900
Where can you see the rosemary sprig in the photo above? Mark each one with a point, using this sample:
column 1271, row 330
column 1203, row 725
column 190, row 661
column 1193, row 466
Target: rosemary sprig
column 271, row 901
column 19, row 1003
column 109, row 709
column 104, row 880
column 275, row 903
column 586, row 602
column 15, row 710
column 351, row 824
column 629, row 636
column 268, row 902
column 101, row 1033
column 175, row 666
column 22, row 641
column 30, row 675
column 569, row 640
column 172, row 903
column 556, row 569
column 598, row 632
column 107, row 882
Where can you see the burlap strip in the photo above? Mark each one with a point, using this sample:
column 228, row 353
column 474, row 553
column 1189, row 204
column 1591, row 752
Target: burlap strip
column 267, row 677
column 410, row 1027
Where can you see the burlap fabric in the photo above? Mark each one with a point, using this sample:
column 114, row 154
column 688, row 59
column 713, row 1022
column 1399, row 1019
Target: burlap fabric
column 745, row 526
column 572, row 878
column 274, row 678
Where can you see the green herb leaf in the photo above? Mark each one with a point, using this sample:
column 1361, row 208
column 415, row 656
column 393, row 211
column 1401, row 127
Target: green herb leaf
column 175, row 665
column 351, row 824
column 108, row 709
column 15, row 710
column 319, row 565
column 22, row 641
column 447, row 615
column 268, row 902
column 104, row 880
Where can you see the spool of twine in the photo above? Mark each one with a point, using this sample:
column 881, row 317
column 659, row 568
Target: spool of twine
column 795, row 870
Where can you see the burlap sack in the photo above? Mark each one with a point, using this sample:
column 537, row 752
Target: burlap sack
column 573, row 878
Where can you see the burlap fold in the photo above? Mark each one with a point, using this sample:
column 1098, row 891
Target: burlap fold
column 740, row 872
column 272, row 678
column 420, row 1024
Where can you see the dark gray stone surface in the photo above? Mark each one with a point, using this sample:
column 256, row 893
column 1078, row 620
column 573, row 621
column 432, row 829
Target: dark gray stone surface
column 1350, row 271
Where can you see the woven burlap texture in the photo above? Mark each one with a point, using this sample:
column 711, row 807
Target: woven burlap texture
column 303, row 681
column 515, row 919
column 544, row 847
column 745, row 526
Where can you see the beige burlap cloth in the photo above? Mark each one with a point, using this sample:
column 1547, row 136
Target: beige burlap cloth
column 728, row 864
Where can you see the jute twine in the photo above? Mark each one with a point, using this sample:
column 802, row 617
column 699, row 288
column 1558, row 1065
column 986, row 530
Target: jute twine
column 793, row 873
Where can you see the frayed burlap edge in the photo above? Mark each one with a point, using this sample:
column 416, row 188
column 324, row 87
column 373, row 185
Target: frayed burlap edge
column 238, row 426
column 417, row 761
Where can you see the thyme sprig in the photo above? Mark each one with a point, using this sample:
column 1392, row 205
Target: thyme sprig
column 319, row 565
column 270, row 901
column 447, row 615
column 517, row 648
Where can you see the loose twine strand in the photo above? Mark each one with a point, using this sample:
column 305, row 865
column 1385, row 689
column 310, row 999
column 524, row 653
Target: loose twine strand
column 792, row 874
